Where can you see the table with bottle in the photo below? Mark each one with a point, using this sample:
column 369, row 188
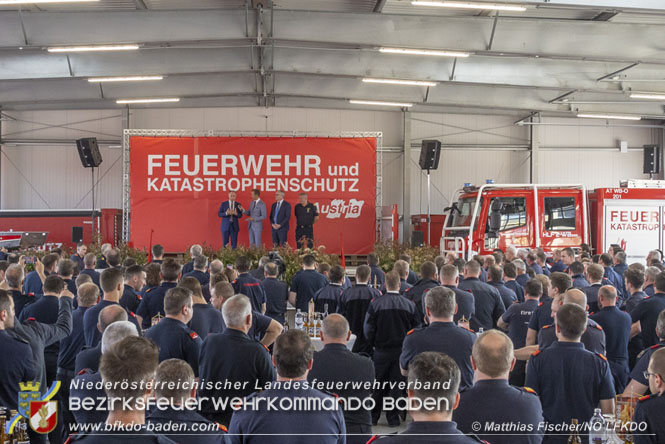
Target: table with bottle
column 311, row 323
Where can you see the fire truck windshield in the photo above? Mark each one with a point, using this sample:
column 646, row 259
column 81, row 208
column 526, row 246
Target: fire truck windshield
column 462, row 212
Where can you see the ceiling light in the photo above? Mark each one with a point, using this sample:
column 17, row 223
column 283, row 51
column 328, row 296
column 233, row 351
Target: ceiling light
column 127, row 47
column 124, row 79
column 377, row 103
column 400, row 82
column 464, row 5
column 35, row 2
column 427, row 52
column 651, row 96
column 608, row 116
column 170, row 99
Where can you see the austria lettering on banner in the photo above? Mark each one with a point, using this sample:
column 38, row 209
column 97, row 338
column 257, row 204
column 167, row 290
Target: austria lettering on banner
column 177, row 185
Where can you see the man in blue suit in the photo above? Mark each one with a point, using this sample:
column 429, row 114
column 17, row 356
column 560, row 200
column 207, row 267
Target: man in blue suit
column 230, row 211
column 257, row 212
column 280, row 214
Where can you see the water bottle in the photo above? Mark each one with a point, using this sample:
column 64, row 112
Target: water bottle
column 300, row 321
column 597, row 432
column 481, row 330
column 325, row 311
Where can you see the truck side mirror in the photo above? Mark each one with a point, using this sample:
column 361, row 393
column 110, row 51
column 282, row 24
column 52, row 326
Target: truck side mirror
column 495, row 219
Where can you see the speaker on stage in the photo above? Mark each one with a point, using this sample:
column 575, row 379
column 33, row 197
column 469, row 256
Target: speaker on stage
column 77, row 235
column 89, row 152
column 430, row 150
column 651, row 159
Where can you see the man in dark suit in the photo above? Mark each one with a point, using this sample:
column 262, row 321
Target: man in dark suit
column 280, row 214
column 230, row 211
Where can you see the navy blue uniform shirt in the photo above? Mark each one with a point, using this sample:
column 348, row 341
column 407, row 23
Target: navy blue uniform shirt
column 517, row 288
column 592, row 296
column 389, row 318
column 330, row 295
column 90, row 318
column 616, row 325
column 277, row 294
column 206, row 319
column 489, row 306
column 466, row 306
column 643, row 363
column 593, row 337
column 20, row 368
column 21, row 301
column 542, row 315
column 443, row 337
column 495, row 401
column 176, row 340
column 152, row 303
column 377, row 277
column 88, row 358
column 260, row 324
column 252, row 288
column 204, row 280
column 87, row 384
column 646, row 313
column 32, row 284
column 570, row 381
column 416, row 294
column 74, row 343
column 353, row 306
column 304, row 284
column 651, row 410
column 579, row 281
column 631, row 302
column 413, row 277
column 517, row 317
column 508, row 296
column 130, row 300
column 44, row 310
column 94, row 275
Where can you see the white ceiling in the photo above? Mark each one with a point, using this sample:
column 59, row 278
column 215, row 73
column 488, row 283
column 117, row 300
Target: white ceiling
column 553, row 58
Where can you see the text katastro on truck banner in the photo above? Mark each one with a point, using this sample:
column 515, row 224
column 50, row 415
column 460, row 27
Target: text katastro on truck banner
column 178, row 183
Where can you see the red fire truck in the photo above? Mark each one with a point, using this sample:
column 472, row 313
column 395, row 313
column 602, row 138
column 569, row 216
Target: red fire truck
column 491, row 216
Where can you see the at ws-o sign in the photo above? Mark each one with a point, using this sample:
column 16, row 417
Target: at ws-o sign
column 177, row 185
column 636, row 228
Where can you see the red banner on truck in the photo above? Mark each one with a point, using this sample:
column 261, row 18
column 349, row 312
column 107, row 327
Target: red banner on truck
column 178, row 183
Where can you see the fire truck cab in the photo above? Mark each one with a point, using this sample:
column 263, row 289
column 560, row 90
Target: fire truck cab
column 491, row 216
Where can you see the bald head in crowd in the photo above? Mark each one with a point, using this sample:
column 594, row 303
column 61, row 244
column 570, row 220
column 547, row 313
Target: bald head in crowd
column 575, row 296
column 87, row 295
column 493, row 355
column 607, row 296
column 116, row 332
column 335, row 330
column 109, row 315
column 216, row 266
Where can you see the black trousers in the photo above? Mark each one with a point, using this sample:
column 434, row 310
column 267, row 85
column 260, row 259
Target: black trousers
column 386, row 369
column 307, row 232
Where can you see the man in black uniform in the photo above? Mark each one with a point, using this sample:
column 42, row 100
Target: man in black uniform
column 248, row 285
column 327, row 299
column 17, row 364
column 235, row 357
column 488, row 304
column 194, row 250
column 353, row 306
column 70, row 347
column 89, row 267
column 292, row 357
column 416, row 293
column 492, row 400
column 112, row 284
column 594, row 275
column 338, row 365
column 206, row 319
column 174, row 389
column 645, row 314
column 616, row 325
column 134, row 282
column 102, row 263
column 413, row 276
column 14, row 278
column 89, row 357
column 570, row 380
column 465, row 304
column 542, row 315
column 516, row 321
column 377, row 278
column 66, row 272
column 508, row 296
column 402, row 269
column 638, row 384
column 634, row 281
column 133, row 360
column 306, row 215
column 442, row 335
column 435, row 425
column 152, row 304
column 305, row 284
column 277, row 292
column 172, row 336
column 576, row 272
column 651, row 409
column 389, row 318
column 200, row 274
column 509, row 277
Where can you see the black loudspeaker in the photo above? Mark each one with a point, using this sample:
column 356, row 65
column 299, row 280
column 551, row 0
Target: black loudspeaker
column 89, row 152
column 417, row 238
column 77, row 234
column 651, row 159
column 430, row 151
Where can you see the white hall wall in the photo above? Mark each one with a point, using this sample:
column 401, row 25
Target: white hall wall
column 475, row 148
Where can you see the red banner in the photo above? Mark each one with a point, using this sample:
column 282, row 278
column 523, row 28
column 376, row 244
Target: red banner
column 178, row 184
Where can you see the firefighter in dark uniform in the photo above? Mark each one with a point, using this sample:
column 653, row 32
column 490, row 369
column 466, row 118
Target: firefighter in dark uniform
column 646, row 312
column 134, row 282
column 616, row 325
column 152, row 304
column 651, row 409
column 89, row 357
column 508, row 296
column 389, row 318
column 353, row 306
column 327, row 298
column 305, row 284
column 246, row 361
column 593, row 337
column 248, row 285
column 489, row 306
column 542, row 315
column 466, row 306
column 292, row 356
column 492, row 400
column 442, row 335
column 638, row 383
column 171, row 334
column 377, row 277
column 14, row 278
column 416, row 293
column 428, row 368
column 102, row 262
column 195, row 429
column 570, row 381
column 306, row 215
